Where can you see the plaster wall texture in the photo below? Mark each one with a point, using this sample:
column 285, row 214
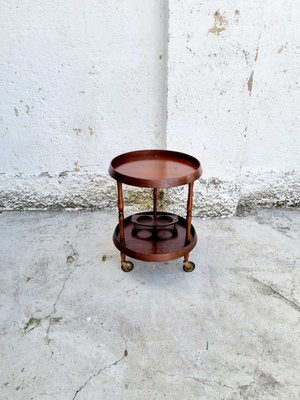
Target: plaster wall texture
column 80, row 83
column 233, row 99
column 83, row 82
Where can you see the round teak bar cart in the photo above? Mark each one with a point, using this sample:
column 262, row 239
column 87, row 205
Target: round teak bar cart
column 155, row 235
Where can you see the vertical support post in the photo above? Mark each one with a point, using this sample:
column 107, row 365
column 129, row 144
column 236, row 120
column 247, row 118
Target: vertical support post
column 189, row 212
column 121, row 211
column 155, row 203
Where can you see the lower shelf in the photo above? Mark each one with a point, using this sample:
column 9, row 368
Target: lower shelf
column 166, row 244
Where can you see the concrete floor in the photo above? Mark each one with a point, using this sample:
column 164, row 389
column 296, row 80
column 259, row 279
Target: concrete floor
column 74, row 326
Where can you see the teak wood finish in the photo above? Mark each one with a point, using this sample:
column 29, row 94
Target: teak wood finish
column 155, row 235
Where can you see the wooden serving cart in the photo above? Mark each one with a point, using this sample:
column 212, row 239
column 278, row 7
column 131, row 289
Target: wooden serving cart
column 155, row 235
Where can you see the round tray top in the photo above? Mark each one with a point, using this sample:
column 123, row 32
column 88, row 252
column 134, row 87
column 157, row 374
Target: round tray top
column 155, row 168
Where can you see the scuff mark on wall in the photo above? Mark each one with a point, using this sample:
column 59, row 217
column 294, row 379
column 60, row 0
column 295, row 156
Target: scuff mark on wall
column 280, row 50
column 250, row 83
column 220, row 21
column 256, row 54
column 76, row 167
column 257, row 48
column 250, row 80
column 93, row 71
column 16, row 112
column 89, row 130
column 45, row 174
column 246, row 55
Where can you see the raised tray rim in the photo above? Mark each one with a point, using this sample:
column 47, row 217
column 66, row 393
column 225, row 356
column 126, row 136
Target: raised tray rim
column 180, row 252
column 153, row 183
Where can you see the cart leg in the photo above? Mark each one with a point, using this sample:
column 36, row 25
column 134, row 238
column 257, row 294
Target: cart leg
column 189, row 266
column 189, row 213
column 125, row 265
column 121, row 211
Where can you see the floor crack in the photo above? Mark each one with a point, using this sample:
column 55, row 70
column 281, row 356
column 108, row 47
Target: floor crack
column 98, row 373
column 57, row 392
column 277, row 294
column 196, row 379
column 50, row 318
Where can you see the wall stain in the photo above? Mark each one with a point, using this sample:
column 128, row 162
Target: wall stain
column 220, row 21
column 256, row 54
column 237, row 16
column 250, row 80
column 280, row 50
column 156, row 135
column 246, row 55
column 257, row 48
column 93, row 71
column 45, row 174
column 28, row 109
column 89, row 130
column 189, row 50
column 16, row 112
column 76, row 167
column 250, row 83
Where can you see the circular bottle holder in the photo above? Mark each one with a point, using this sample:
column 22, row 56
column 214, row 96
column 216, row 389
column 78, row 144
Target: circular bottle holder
column 150, row 221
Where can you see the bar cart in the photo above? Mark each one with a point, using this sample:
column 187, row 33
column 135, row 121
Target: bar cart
column 155, row 235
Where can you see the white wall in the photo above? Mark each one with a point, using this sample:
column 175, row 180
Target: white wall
column 81, row 81
column 84, row 81
column 233, row 99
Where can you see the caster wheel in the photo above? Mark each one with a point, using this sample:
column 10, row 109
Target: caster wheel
column 127, row 266
column 188, row 266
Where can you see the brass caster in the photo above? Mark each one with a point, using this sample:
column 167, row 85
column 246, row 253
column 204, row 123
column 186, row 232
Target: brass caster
column 127, row 266
column 188, row 266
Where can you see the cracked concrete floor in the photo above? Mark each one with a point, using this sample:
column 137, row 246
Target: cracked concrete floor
column 74, row 326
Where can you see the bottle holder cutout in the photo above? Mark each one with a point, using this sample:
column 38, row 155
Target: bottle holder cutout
column 142, row 221
column 148, row 227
